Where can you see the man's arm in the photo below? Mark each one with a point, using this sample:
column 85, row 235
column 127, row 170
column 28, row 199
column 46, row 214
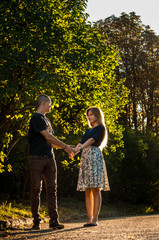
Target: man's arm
column 55, row 146
column 56, row 142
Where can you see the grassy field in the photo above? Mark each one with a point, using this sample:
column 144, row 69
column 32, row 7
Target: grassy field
column 69, row 210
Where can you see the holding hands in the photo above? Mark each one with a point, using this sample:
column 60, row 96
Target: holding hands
column 72, row 151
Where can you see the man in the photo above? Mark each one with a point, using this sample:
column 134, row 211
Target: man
column 42, row 162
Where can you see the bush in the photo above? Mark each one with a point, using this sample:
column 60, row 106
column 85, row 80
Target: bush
column 134, row 170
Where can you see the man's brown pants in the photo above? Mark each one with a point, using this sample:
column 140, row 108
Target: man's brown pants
column 43, row 167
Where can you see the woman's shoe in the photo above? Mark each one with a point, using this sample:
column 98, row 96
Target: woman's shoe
column 94, row 224
column 87, row 225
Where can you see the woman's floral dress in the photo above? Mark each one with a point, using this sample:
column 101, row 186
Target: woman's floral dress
column 92, row 173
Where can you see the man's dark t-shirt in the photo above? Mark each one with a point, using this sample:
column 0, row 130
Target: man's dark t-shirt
column 97, row 133
column 38, row 144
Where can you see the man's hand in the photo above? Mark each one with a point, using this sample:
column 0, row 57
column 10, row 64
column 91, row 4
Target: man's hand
column 70, row 151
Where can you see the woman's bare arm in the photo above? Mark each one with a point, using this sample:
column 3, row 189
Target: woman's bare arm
column 88, row 143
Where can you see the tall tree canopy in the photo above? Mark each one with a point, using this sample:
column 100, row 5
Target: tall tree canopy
column 138, row 46
column 47, row 47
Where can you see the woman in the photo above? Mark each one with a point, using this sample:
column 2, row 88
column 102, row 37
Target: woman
column 92, row 174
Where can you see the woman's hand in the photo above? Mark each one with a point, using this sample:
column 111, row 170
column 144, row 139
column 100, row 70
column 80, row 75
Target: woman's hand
column 76, row 150
column 79, row 145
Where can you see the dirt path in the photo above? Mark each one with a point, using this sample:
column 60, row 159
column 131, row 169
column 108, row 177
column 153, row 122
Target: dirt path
column 122, row 228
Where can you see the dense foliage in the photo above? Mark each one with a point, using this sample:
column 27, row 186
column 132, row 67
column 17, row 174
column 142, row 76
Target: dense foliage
column 134, row 169
column 138, row 46
column 48, row 47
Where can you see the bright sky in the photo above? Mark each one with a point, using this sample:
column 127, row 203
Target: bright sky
column 147, row 9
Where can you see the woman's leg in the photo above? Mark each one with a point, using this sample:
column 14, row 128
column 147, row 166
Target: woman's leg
column 97, row 203
column 89, row 203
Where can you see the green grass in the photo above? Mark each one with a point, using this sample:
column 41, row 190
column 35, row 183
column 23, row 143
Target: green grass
column 13, row 210
column 70, row 209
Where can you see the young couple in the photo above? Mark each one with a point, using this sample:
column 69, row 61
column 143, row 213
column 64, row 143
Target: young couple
column 92, row 174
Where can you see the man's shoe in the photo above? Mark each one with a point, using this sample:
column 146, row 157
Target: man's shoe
column 36, row 225
column 56, row 225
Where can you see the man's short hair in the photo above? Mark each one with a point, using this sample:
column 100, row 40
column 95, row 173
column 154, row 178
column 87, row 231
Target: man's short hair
column 42, row 98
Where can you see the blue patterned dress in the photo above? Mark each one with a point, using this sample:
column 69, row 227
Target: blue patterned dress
column 93, row 173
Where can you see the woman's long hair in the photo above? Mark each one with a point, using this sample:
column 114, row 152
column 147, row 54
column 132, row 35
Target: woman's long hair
column 100, row 118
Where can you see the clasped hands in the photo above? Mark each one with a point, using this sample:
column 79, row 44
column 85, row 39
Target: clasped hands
column 72, row 151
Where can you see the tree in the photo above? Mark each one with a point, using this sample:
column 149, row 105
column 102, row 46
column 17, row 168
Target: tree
column 47, row 47
column 138, row 46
